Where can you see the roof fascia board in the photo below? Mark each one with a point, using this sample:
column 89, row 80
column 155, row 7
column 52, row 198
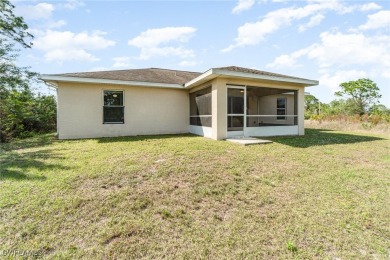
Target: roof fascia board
column 305, row 82
column 213, row 73
column 203, row 77
column 53, row 78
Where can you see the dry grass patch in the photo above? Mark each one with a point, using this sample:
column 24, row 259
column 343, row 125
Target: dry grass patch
column 347, row 124
column 325, row 195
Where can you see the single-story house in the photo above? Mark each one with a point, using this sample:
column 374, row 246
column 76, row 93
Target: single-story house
column 219, row 103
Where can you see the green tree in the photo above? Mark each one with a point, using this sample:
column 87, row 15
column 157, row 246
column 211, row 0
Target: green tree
column 13, row 27
column 312, row 106
column 21, row 112
column 363, row 92
column 379, row 109
column 341, row 107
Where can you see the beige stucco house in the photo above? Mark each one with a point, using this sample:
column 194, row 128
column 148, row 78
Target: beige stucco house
column 219, row 103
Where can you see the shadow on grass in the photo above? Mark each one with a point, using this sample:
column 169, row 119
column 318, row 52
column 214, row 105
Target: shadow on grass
column 142, row 138
column 36, row 141
column 319, row 137
column 18, row 166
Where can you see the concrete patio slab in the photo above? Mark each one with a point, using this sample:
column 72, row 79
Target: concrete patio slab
column 247, row 140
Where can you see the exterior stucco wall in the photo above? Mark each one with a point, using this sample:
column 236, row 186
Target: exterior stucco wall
column 219, row 109
column 147, row 111
column 150, row 110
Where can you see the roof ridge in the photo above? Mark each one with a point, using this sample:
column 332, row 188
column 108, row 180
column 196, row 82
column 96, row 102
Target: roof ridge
column 175, row 70
column 249, row 70
column 97, row 71
column 80, row 72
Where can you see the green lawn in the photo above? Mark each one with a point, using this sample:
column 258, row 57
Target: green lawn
column 325, row 195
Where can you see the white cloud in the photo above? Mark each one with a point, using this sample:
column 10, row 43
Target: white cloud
column 343, row 57
column 62, row 46
column 154, row 42
column 370, row 6
column 314, row 21
column 121, row 62
column 289, row 61
column 243, row 5
column 147, row 53
column 333, row 81
column 378, row 20
column 342, row 50
column 252, row 33
column 186, row 63
column 73, row 4
column 59, row 55
column 386, row 74
column 56, row 24
column 99, row 68
column 154, row 37
column 35, row 12
column 338, row 49
column 283, row 61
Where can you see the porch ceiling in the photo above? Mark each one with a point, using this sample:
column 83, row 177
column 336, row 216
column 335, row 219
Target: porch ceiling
column 260, row 92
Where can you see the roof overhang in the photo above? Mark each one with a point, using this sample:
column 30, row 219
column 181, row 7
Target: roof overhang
column 206, row 76
column 213, row 73
column 54, row 79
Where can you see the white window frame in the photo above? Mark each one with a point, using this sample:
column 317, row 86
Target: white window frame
column 285, row 109
column 123, row 106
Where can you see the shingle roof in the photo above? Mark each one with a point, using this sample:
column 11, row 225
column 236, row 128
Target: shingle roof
column 141, row 75
column 167, row 76
column 253, row 71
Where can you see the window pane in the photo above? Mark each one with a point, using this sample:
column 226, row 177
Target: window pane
column 281, row 108
column 281, row 112
column 113, row 98
column 281, row 103
column 113, row 114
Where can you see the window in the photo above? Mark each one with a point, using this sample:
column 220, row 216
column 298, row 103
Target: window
column 281, row 108
column 200, row 107
column 113, row 109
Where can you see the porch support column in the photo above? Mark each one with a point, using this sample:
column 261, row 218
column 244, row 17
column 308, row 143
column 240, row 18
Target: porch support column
column 301, row 111
column 219, row 109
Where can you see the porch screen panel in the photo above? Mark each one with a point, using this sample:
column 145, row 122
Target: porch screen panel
column 200, row 107
column 271, row 107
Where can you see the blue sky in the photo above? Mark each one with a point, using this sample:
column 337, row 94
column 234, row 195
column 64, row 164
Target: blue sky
column 331, row 41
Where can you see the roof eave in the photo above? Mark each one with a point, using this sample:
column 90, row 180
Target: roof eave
column 56, row 78
column 204, row 77
column 213, row 73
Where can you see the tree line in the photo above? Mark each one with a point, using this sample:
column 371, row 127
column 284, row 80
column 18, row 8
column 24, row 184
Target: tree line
column 361, row 102
column 22, row 111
